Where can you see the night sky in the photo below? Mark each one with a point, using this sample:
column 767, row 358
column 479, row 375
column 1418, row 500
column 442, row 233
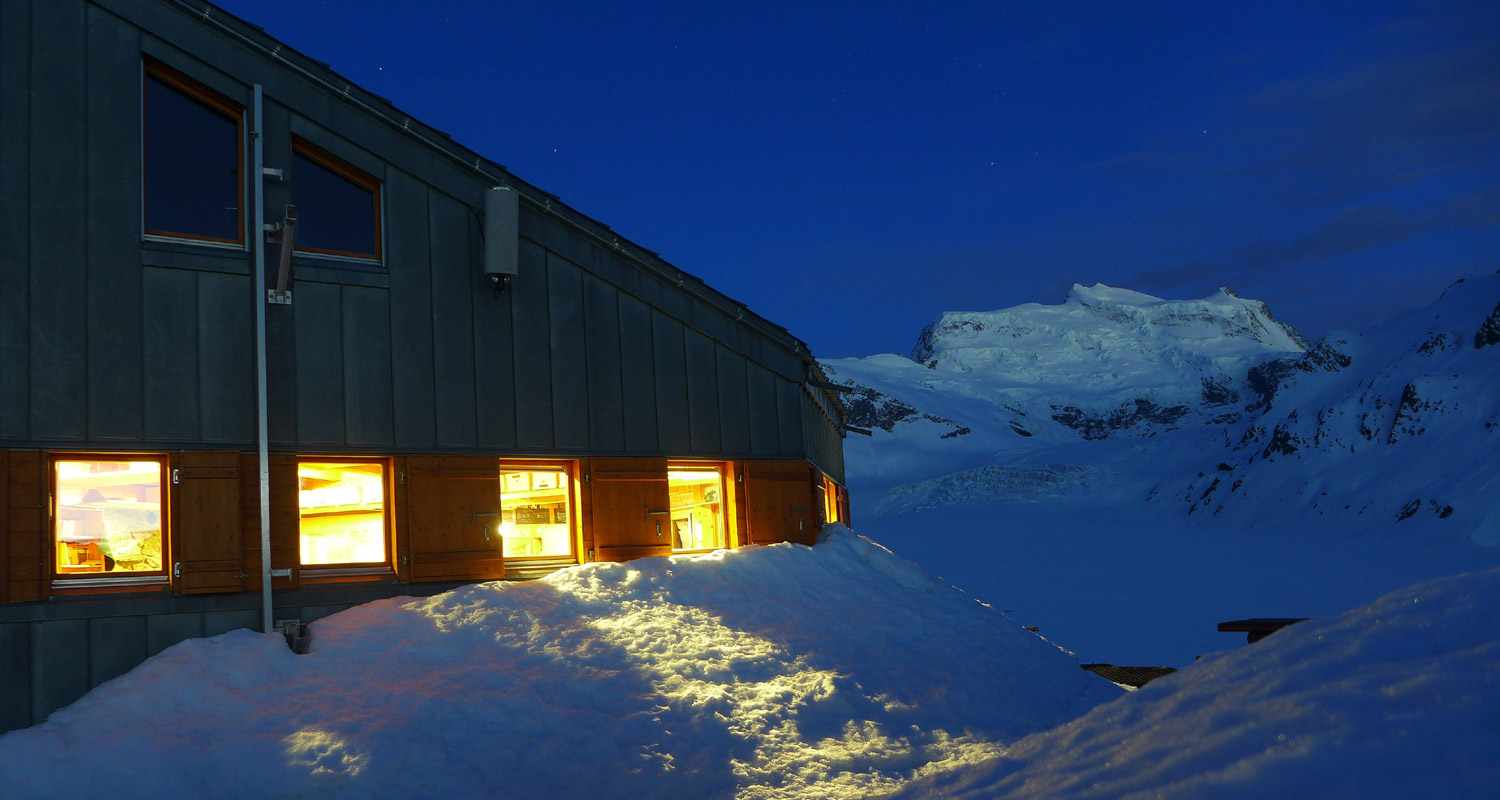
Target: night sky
column 852, row 170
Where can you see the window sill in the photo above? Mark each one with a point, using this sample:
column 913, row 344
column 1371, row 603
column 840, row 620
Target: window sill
column 326, row 575
column 159, row 251
column 110, row 585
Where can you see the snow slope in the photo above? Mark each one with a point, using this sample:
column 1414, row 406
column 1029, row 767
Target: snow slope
column 782, row 671
column 1397, row 699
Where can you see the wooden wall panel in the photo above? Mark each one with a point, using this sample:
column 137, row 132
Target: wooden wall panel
column 59, row 223
column 602, row 331
column 15, row 208
column 318, row 309
column 670, row 357
column 637, row 374
column 368, row 412
column 114, row 213
column 779, row 502
column 207, row 523
column 170, row 311
column 226, row 358
column 569, row 355
column 703, row 394
column 734, row 402
column 27, row 515
column 452, row 516
column 414, row 393
column 630, row 508
column 455, row 278
column 533, row 350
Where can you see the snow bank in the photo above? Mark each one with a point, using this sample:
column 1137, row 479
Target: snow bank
column 1397, row 699
column 785, row 671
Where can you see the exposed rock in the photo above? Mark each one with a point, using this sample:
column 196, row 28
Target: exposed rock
column 1489, row 332
column 956, row 432
column 1020, row 431
column 1409, row 510
column 1099, row 426
column 1219, row 392
column 867, row 408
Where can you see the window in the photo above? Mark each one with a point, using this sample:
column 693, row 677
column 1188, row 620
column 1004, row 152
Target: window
column 107, row 516
column 536, row 511
column 192, row 159
column 342, row 509
column 831, row 500
column 697, row 502
column 338, row 206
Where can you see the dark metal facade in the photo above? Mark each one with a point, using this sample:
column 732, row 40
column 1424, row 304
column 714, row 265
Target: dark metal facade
column 110, row 341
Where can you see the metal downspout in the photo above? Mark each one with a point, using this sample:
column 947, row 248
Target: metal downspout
column 258, row 237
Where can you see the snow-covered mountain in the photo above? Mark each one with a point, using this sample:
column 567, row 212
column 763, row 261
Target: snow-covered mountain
column 1126, row 471
column 1397, row 422
column 1211, row 405
column 985, row 390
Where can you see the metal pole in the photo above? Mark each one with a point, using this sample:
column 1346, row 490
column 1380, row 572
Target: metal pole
column 258, row 236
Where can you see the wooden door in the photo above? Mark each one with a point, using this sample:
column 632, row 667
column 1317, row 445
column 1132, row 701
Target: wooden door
column 779, row 502
column 453, row 518
column 205, row 522
column 631, row 511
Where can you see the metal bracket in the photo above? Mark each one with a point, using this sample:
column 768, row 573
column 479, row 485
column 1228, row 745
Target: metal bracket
column 281, row 573
column 273, row 172
column 285, row 234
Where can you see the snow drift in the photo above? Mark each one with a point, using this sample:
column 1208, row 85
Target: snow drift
column 1393, row 700
column 785, row 671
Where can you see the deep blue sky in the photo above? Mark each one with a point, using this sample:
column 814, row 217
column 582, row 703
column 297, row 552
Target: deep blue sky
column 852, row 170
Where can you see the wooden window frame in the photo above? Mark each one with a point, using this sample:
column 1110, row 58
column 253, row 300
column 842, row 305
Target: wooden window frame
column 217, row 103
column 353, row 174
column 723, row 470
column 312, row 573
column 575, row 515
column 83, row 582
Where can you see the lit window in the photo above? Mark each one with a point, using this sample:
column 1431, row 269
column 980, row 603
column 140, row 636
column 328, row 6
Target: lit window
column 535, row 518
column 697, row 502
column 107, row 517
column 338, row 206
column 342, row 513
column 192, row 157
column 830, row 500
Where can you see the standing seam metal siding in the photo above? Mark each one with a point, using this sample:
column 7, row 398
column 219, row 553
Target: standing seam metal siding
column 586, row 352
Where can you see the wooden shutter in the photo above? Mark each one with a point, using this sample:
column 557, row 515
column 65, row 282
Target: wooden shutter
column 453, row 518
column 205, row 524
column 30, row 536
column 4, row 528
column 779, row 502
column 631, row 508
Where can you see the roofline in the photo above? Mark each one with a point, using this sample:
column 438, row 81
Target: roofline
column 384, row 110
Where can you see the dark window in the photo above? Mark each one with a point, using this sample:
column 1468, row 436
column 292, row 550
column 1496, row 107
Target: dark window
column 338, row 206
column 192, row 159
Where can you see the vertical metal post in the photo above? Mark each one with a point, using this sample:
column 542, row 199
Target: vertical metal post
column 258, row 238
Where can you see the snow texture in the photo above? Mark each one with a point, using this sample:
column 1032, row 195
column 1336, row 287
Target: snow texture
column 1397, row 699
column 781, row 671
